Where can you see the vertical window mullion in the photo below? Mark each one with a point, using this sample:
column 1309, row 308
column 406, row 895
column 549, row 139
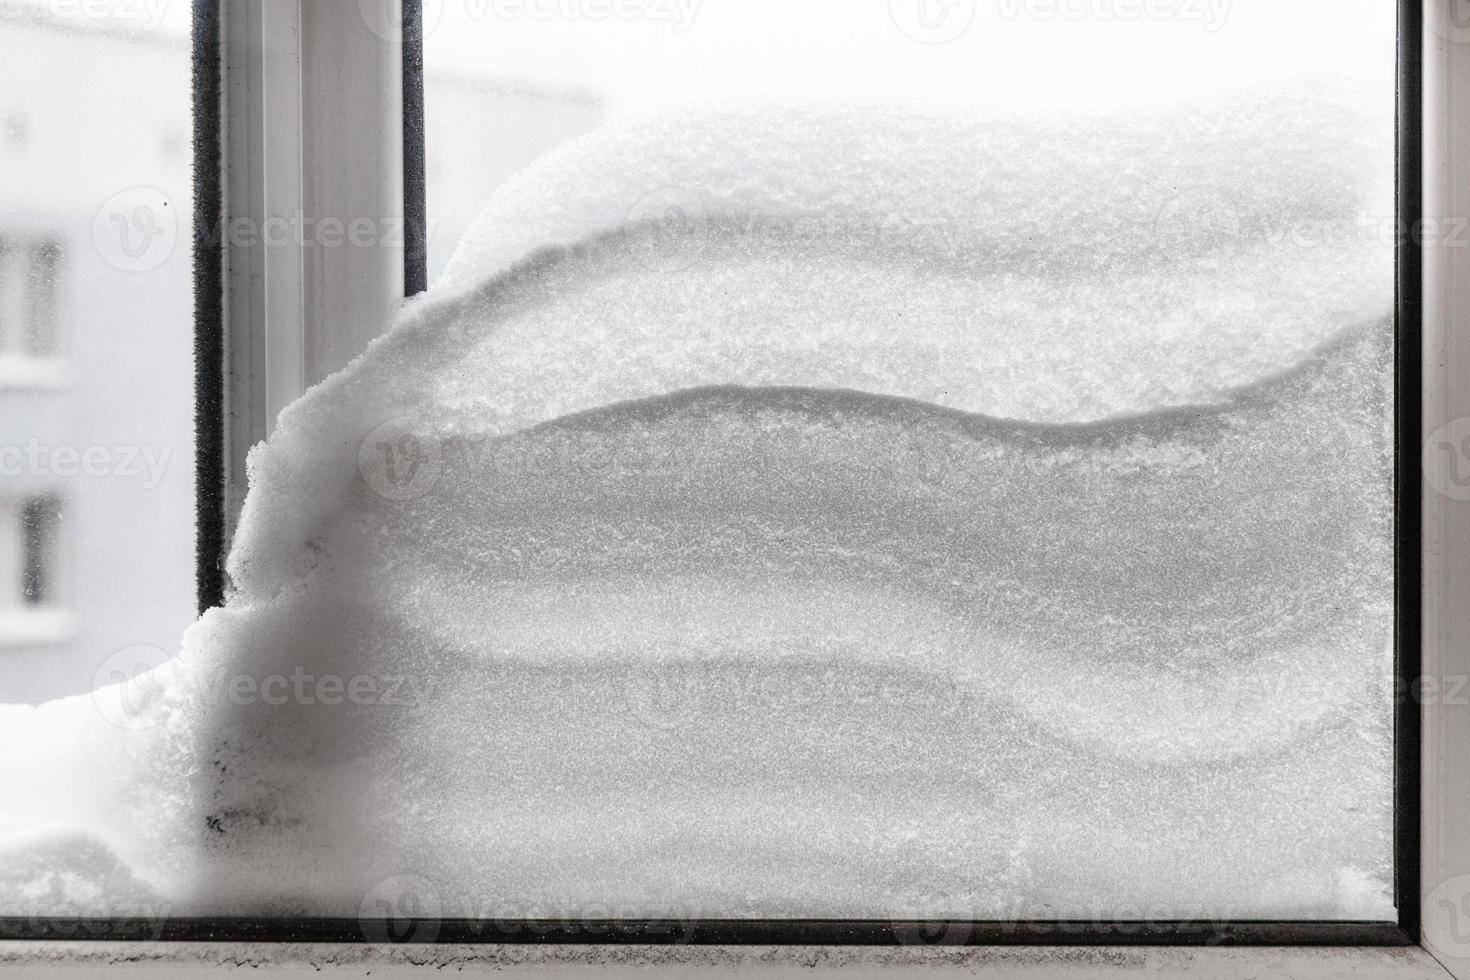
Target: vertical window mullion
column 312, row 224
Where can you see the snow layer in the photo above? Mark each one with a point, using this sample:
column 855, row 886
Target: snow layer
column 827, row 512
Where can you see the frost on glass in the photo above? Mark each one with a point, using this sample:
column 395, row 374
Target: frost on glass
column 814, row 511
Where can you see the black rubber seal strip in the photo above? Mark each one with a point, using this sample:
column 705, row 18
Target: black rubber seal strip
column 415, row 188
column 1408, row 464
column 209, row 309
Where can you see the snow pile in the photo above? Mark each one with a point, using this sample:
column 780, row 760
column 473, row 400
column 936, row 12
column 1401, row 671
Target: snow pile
column 835, row 512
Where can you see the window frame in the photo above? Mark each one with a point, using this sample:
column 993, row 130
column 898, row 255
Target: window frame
column 256, row 350
column 299, row 111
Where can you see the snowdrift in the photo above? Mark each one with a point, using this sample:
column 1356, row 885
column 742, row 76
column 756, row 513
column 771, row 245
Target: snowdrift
column 823, row 511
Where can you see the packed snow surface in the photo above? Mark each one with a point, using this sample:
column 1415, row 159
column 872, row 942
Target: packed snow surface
column 808, row 511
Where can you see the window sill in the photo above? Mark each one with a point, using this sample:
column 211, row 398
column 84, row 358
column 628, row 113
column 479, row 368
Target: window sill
column 35, row 627
column 196, row 959
column 32, row 372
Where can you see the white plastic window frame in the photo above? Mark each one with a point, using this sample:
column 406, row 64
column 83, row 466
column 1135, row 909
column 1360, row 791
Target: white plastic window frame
column 1445, row 578
column 312, row 120
column 313, row 111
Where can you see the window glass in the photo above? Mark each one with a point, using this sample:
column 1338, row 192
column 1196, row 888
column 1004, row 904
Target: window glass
column 96, row 343
column 1067, row 215
column 508, row 80
column 899, row 461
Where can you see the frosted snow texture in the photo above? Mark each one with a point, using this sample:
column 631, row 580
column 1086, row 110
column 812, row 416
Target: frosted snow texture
column 832, row 512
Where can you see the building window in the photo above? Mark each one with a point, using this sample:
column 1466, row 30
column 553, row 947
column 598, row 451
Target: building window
column 171, row 146
column 17, row 131
column 30, row 270
column 40, row 527
column 31, row 579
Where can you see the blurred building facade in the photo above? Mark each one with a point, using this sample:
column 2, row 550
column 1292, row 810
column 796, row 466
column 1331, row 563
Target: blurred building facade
column 97, row 490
